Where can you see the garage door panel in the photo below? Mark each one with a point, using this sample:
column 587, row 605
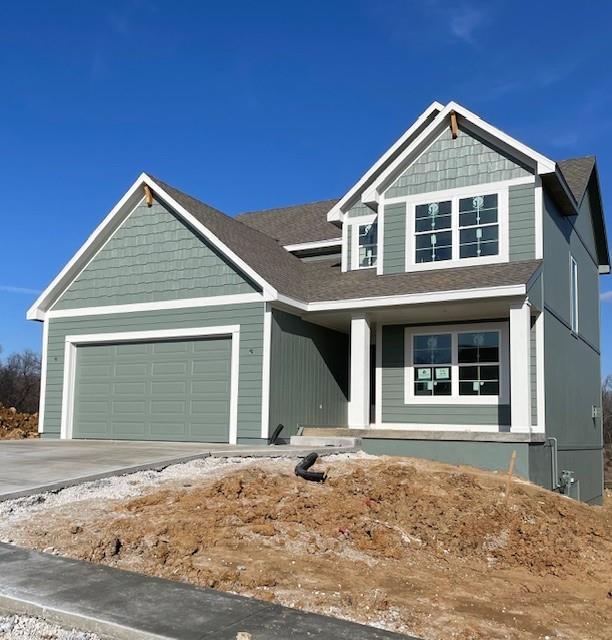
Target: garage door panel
column 173, row 390
column 169, row 387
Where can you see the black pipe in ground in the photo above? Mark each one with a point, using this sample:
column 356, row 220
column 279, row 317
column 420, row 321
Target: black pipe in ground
column 302, row 467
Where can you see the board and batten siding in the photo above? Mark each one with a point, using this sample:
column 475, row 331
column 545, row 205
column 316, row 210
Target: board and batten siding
column 448, row 164
column 396, row 411
column 521, row 219
column 249, row 316
column 308, row 374
column 394, row 243
column 153, row 256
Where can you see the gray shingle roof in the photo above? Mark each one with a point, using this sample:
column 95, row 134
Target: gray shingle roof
column 318, row 281
column 577, row 172
column 325, row 281
column 296, row 224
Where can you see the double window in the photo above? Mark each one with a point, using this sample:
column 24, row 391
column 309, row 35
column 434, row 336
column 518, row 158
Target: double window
column 465, row 364
column 457, row 229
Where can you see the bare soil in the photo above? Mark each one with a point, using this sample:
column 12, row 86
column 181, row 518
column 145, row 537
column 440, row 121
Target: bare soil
column 409, row 545
column 15, row 425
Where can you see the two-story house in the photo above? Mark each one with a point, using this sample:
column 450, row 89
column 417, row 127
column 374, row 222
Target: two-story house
column 446, row 307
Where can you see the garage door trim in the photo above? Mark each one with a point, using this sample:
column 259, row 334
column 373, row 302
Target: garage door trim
column 70, row 357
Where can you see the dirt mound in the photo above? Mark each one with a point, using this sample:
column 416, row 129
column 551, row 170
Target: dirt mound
column 384, row 540
column 15, row 425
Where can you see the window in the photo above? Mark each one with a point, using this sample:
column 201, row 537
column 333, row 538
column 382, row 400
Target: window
column 574, row 295
column 457, row 364
column 432, row 365
column 478, row 358
column 433, row 231
column 367, row 245
column 478, row 228
column 461, row 229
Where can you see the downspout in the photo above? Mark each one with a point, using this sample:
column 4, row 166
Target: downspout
column 554, row 461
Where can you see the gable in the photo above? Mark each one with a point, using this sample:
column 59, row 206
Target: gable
column 447, row 164
column 153, row 256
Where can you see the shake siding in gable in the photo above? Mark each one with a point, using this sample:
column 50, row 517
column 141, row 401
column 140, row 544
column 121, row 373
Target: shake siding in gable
column 152, row 257
column 248, row 316
column 449, row 164
column 394, row 256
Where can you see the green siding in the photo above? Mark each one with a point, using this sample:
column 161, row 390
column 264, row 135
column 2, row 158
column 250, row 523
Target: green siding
column 572, row 362
column 394, row 409
column 308, row 374
column 521, row 214
column 394, row 255
column 248, row 316
column 448, row 164
column 153, row 256
column 359, row 209
column 170, row 390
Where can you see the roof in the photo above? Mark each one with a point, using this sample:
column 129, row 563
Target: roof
column 577, row 172
column 324, row 280
column 262, row 253
column 296, row 224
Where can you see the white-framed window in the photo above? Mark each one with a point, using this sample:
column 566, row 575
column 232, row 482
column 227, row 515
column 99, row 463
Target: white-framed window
column 364, row 242
column 457, row 364
column 466, row 226
column 573, row 294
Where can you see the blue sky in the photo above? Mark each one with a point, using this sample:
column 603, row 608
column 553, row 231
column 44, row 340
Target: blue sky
column 254, row 105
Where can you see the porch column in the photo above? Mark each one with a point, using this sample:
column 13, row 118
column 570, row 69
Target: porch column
column 359, row 403
column 520, row 364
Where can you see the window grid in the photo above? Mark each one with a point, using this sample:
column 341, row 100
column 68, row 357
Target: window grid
column 478, row 363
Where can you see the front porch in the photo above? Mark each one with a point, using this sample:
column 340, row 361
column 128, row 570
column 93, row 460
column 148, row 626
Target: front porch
column 451, row 370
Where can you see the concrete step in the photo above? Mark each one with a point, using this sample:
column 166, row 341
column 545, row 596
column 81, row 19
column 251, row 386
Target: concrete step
column 325, row 441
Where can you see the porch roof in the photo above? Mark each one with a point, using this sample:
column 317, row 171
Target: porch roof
column 325, row 281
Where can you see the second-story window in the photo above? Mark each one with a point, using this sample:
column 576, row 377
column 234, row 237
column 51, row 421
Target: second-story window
column 478, row 228
column 461, row 229
column 368, row 244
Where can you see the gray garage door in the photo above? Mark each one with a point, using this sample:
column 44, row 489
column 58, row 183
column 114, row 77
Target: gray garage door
column 171, row 390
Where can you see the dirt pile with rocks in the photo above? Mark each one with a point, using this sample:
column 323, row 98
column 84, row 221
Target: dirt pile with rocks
column 15, row 425
column 410, row 545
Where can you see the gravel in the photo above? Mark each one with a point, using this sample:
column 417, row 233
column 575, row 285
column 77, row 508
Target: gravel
column 25, row 628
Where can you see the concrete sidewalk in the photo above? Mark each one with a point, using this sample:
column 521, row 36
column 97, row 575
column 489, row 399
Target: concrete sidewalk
column 128, row 606
column 34, row 466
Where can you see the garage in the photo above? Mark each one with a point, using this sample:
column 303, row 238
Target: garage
column 177, row 389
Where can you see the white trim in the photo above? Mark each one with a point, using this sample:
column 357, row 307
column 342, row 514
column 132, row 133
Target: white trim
column 97, row 238
column 380, row 253
column 357, row 222
column 470, row 121
column 520, row 366
column 315, row 244
column 540, row 381
column 502, row 192
column 336, row 212
column 43, row 377
column 410, row 426
column 185, row 303
column 359, row 396
column 345, row 241
column 539, row 219
column 501, row 328
column 379, row 374
column 70, row 356
column 265, row 375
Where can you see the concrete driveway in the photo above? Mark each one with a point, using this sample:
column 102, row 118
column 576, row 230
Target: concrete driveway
column 32, row 466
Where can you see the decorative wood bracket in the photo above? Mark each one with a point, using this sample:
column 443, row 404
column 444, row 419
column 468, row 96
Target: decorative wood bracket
column 453, row 125
column 148, row 195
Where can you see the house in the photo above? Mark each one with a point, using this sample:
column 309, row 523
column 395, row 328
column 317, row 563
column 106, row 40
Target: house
column 447, row 306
